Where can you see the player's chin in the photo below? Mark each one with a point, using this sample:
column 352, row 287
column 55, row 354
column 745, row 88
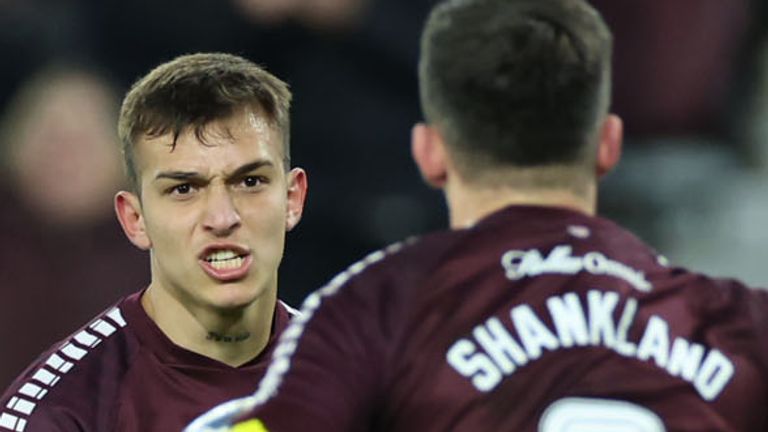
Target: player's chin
column 232, row 300
column 234, row 296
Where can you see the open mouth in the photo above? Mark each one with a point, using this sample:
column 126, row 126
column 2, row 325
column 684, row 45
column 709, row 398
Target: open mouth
column 225, row 259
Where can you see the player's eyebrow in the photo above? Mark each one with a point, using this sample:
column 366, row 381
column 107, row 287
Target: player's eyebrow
column 251, row 166
column 193, row 175
column 177, row 175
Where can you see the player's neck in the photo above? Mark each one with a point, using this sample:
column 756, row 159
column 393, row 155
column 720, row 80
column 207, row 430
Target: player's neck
column 232, row 337
column 467, row 204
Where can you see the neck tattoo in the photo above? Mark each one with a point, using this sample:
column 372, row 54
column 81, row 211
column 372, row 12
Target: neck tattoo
column 218, row 337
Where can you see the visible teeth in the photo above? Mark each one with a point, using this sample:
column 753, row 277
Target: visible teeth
column 225, row 259
column 232, row 263
column 221, row 255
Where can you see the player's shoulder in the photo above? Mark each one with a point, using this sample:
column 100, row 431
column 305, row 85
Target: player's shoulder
column 70, row 378
column 713, row 297
column 376, row 266
column 398, row 265
column 408, row 262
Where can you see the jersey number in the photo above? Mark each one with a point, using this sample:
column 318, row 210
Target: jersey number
column 598, row 415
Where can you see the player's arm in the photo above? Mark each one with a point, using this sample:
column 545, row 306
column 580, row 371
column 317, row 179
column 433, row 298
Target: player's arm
column 327, row 369
column 29, row 406
column 41, row 418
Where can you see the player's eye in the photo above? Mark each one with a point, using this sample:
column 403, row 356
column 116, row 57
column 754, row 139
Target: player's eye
column 253, row 181
column 180, row 190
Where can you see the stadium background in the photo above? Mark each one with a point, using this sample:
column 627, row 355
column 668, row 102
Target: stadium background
column 691, row 82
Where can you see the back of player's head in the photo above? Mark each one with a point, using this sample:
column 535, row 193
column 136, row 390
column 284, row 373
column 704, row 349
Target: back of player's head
column 515, row 83
column 191, row 91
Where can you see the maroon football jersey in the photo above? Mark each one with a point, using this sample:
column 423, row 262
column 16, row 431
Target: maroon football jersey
column 533, row 319
column 121, row 373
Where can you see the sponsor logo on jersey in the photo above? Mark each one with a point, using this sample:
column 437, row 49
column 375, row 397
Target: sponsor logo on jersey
column 518, row 264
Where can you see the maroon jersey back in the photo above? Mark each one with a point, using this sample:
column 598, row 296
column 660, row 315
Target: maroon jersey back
column 121, row 373
column 534, row 319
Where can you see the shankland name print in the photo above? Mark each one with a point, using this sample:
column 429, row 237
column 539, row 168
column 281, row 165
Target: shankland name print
column 493, row 352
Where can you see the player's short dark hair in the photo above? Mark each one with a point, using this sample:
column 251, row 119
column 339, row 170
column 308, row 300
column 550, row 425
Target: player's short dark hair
column 515, row 82
column 193, row 90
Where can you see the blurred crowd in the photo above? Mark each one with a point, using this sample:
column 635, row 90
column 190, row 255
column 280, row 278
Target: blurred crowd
column 691, row 82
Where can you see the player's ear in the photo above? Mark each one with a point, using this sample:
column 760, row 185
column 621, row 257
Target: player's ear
column 297, row 194
column 129, row 213
column 609, row 145
column 428, row 151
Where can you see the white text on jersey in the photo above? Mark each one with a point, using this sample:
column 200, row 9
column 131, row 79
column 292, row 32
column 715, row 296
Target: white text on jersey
column 519, row 264
column 493, row 352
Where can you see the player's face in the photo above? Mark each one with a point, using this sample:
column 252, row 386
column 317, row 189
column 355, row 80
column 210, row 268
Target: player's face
column 215, row 213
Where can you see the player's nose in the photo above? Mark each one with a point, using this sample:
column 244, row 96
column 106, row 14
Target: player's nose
column 221, row 213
